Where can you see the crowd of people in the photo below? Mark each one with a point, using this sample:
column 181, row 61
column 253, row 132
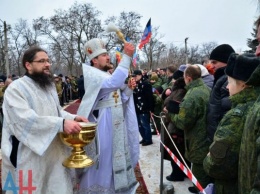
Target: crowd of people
column 212, row 117
column 211, row 113
column 69, row 88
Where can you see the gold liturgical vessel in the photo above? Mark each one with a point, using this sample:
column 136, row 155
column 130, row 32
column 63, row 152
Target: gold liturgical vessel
column 78, row 157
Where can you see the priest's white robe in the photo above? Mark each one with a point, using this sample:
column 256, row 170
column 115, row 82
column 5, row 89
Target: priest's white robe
column 99, row 89
column 34, row 117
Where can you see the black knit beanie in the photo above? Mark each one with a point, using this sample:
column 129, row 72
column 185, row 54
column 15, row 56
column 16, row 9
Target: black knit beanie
column 177, row 74
column 221, row 53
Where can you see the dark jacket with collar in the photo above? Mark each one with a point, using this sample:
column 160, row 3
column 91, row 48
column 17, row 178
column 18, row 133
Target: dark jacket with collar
column 143, row 97
column 219, row 102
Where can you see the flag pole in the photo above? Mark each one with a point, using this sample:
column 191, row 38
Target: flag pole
column 162, row 155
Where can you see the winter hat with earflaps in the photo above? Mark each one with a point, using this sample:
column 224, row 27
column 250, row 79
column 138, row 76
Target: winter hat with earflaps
column 241, row 67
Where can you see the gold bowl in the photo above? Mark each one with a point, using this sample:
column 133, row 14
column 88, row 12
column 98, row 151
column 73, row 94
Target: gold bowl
column 78, row 157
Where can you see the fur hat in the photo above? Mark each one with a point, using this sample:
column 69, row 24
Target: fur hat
column 241, row 67
column 94, row 47
column 221, row 53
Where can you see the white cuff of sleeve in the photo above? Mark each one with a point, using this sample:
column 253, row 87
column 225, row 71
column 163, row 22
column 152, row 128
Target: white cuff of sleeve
column 128, row 91
column 62, row 126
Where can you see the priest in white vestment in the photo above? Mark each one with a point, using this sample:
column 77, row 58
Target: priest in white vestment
column 32, row 152
column 109, row 102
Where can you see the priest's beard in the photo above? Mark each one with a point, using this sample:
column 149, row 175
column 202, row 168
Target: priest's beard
column 107, row 67
column 44, row 80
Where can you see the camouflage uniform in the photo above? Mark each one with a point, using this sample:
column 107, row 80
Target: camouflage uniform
column 156, row 84
column 164, row 79
column 192, row 119
column 157, row 104
column 222, row 162
column 168, row 84
column 74, row 87
column 58, row 85
column 249, row 158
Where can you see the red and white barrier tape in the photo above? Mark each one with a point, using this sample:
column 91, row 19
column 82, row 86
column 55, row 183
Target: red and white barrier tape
column 187, row 171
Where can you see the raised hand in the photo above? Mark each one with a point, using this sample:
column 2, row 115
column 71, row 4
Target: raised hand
column 131, row 83
column 129, row 49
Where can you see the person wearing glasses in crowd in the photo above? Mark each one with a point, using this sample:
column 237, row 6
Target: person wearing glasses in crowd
column 32, row 119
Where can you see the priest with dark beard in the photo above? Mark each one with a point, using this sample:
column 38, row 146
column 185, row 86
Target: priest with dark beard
column 32, row 119
column 42, row 77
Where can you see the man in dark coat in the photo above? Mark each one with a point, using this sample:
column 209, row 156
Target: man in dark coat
column 144, row 104
column 81, row 87
column 219, row 102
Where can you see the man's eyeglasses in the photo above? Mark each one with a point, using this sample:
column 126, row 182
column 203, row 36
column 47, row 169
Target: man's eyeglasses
column 43, row 61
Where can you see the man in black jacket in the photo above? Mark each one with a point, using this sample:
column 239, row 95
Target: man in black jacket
column 219, row 102
column 144, row 104
column 81, row 87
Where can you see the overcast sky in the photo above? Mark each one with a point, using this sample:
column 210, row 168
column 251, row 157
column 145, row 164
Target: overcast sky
column 222, row 21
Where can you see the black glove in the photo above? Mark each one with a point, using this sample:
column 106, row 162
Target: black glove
column 173, row 107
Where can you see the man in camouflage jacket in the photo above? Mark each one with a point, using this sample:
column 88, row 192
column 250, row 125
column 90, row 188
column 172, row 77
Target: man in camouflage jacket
column 192, row 119
column 222, row 161
column 249, row 158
